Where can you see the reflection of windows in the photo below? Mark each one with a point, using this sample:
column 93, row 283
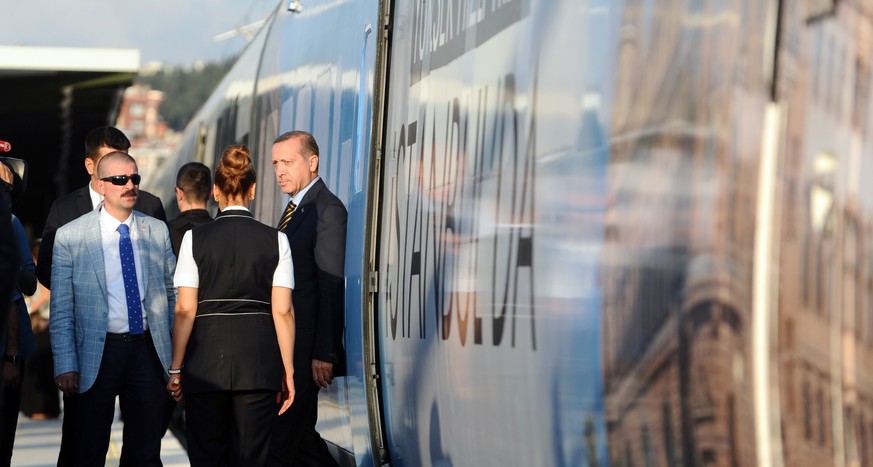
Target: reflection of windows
column 862, row 441
column 827, row 70
column 871, row 439
column 836, row 92
column 816, row 62
column 821, row 217
column 821, row 197
column 851, row 445
column 820, row 412
column 647, row 448
column 862, row 438
column 860, row 94
column 868, row 324
column 852, row 266
column 808, row 271
column 732, row 431
column 667, row 428
column 821, row 280
column 709, row 457
column 807, row 416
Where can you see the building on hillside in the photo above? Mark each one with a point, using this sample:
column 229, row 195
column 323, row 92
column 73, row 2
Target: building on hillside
column 152, row 140
column 140, row 116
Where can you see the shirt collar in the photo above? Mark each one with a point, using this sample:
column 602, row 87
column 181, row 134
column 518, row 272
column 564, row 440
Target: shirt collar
column 235, row 208
column 299, row 196
column 96, row 198
column 110, row 224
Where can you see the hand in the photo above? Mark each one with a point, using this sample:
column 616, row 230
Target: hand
column 322, row 373
column 11, row 374
column 174, row 387
column 288, row 393
column 6, row 174
column 68, row 382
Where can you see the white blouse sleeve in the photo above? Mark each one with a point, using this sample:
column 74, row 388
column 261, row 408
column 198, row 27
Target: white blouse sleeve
column 284, row 274
column 187, row 274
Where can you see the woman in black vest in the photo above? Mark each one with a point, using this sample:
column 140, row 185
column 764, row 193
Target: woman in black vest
column 233, row 338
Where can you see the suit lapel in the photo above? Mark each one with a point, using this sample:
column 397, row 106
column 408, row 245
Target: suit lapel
column 306, row 206
column 83, row 201
column 94, row 245
column 142, row 244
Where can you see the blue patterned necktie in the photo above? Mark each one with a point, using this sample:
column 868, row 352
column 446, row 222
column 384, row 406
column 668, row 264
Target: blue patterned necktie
column 131, row 289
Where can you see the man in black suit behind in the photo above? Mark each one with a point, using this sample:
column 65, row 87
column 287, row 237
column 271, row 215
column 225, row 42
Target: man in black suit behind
column 315, row 222
column 98, row 143
column 193, row 187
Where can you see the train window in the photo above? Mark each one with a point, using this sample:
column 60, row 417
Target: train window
column 200, row 148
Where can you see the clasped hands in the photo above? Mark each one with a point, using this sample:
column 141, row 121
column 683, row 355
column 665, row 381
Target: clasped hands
column 174, row 387
column 285, row 398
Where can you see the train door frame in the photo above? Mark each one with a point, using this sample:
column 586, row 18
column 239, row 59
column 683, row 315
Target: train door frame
column 381, row 84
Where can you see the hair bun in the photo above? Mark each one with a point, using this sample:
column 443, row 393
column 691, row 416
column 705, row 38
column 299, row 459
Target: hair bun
column 235, row 173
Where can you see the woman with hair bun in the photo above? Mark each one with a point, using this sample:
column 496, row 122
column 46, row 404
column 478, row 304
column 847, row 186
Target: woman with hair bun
column 233, row 339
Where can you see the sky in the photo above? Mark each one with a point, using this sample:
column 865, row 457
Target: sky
column 176, row 32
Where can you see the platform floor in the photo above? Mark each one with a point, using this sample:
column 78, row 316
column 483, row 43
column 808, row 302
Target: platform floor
column 37, row 443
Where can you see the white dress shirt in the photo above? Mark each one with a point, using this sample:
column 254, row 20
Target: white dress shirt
column 96, row 198
column 109, row 235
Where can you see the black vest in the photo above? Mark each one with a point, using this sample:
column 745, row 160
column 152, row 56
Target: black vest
column 233, row 344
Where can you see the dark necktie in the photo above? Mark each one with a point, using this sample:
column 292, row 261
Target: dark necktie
column 286, row 216
column 131, row 289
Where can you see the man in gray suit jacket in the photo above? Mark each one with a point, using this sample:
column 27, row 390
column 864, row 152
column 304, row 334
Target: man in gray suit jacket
column 112, row 318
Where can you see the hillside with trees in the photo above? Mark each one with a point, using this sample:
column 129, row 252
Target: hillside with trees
column 185, row 89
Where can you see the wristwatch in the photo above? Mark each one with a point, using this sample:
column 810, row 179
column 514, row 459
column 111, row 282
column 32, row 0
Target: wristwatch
column 16, row 359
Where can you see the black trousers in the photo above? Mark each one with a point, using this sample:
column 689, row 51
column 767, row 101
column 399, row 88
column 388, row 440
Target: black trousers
column 295, row 441
column 11, row 404
column 131, row 371
column 229, row 428
column 68, row 433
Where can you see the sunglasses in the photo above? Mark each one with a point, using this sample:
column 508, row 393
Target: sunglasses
column 121, row 180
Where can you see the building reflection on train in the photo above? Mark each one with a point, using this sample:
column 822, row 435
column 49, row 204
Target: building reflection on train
column 680, row 343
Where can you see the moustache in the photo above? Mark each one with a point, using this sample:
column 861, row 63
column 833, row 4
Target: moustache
column 129, row 193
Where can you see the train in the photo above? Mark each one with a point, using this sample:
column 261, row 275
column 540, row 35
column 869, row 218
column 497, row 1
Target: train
column 580, row 232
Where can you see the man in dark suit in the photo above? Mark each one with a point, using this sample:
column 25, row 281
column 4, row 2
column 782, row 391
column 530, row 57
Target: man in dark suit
column 98, row 143
column 315, row 223
column 193, row 187
column 10, row 259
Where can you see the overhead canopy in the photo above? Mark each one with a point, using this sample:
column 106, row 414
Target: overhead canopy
column 50, row 98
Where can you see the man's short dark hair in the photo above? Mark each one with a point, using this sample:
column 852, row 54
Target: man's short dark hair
column 308, row 146
column 107, row 136
column 195, row 181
